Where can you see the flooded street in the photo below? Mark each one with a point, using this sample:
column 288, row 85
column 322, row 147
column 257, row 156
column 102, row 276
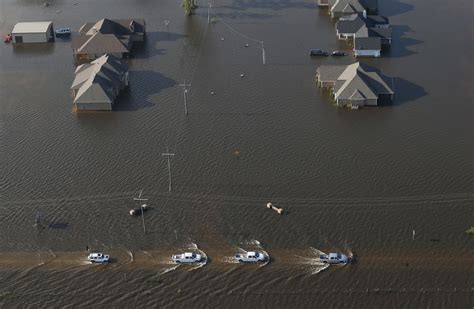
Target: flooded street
column 390, row 185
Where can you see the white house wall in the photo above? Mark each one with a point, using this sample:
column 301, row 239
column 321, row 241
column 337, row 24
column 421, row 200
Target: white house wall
column 366, row 53
column 31, row 37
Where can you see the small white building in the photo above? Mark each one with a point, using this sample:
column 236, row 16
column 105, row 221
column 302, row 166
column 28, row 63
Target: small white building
column 33, row 32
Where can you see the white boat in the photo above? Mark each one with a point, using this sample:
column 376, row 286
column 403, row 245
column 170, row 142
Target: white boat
column 187, row 257
column 98, row 258
column 250, row 257
column 334, row 258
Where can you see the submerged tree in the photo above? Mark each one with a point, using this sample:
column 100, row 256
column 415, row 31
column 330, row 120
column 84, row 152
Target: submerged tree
column 189, row 6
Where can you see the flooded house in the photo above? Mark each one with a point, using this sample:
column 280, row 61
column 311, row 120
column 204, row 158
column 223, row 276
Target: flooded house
column 338, row 8
column 355, row 85
column 112, row 36
column 96, row 85
column 33, row 32
column 369, row 33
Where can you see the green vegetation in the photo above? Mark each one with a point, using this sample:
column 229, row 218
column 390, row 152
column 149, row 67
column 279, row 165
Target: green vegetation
column 188, row 6
column 470, row 230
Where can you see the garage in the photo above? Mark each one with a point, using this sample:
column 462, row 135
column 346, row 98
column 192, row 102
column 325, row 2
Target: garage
column 33, row 32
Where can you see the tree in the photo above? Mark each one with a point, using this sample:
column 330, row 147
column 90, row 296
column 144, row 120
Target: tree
column 188, row 6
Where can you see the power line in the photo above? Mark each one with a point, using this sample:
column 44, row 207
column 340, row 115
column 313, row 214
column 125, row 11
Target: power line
column 168, row 155
column 210, row 9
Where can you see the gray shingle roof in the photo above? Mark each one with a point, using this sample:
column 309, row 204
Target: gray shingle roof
column 368, row 4
column 354, row 22
column 367, row 43
column 373, row 20
column 356, row 81
column 350, row 25
column 114, row 26
column 385, row 33
column 104, row 43
column 100, row 80
column 330, row 72
column 347, row 6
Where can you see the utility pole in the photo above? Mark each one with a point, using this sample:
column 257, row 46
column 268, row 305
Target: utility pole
column 185, row 94
column 168, row 155
column 208, row 12
column 263, row 53
column 141, row 207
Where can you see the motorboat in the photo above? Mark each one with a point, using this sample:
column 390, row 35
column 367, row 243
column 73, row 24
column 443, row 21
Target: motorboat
column 97, row 257
column 334, row 258
column 63, row 32
column 187, row 257
column 251, row 257
column 338, row 53
column 318, row 52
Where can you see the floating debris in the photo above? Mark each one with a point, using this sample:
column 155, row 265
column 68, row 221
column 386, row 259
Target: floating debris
column 246, row 45
column 279, row 210
column 138, row 211
column 46, row 4
column 222, row 39
column 242, row 75
column 212, row 92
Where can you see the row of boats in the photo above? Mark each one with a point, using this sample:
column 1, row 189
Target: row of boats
column 247, row 257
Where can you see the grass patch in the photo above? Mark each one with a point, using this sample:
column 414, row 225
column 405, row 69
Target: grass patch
column 470, row 230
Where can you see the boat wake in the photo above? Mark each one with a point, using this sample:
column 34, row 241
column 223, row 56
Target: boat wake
column 315, row 266
column 253, row 245
column 169, row 269
column 194, row 248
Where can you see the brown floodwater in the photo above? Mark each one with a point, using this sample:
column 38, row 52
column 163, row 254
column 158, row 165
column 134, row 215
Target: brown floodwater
column 358, row 182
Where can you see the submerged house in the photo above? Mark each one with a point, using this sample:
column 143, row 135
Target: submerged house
column 355, row 85
column 97, row 84
column 370, row 33
column 111, row 36
column 338, row 8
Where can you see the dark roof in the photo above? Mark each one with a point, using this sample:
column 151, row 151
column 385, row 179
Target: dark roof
column 373, row 20
column 114, row 26
column 371, row 5
column 104, row 43
column 384, row 33
column 350, row 25
column 371, row 43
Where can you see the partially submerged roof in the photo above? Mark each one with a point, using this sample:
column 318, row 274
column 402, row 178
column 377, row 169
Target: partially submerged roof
column 361, row 81
column 102, row 43
column 368, row 4
column 330, row 72
column 377, row 20
column 355, row 22
column 351, row 24
column 385, row 33
column 114, row 26
column 367, row 43
column 347, row 6
column 32, row 27
column 98, row 80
